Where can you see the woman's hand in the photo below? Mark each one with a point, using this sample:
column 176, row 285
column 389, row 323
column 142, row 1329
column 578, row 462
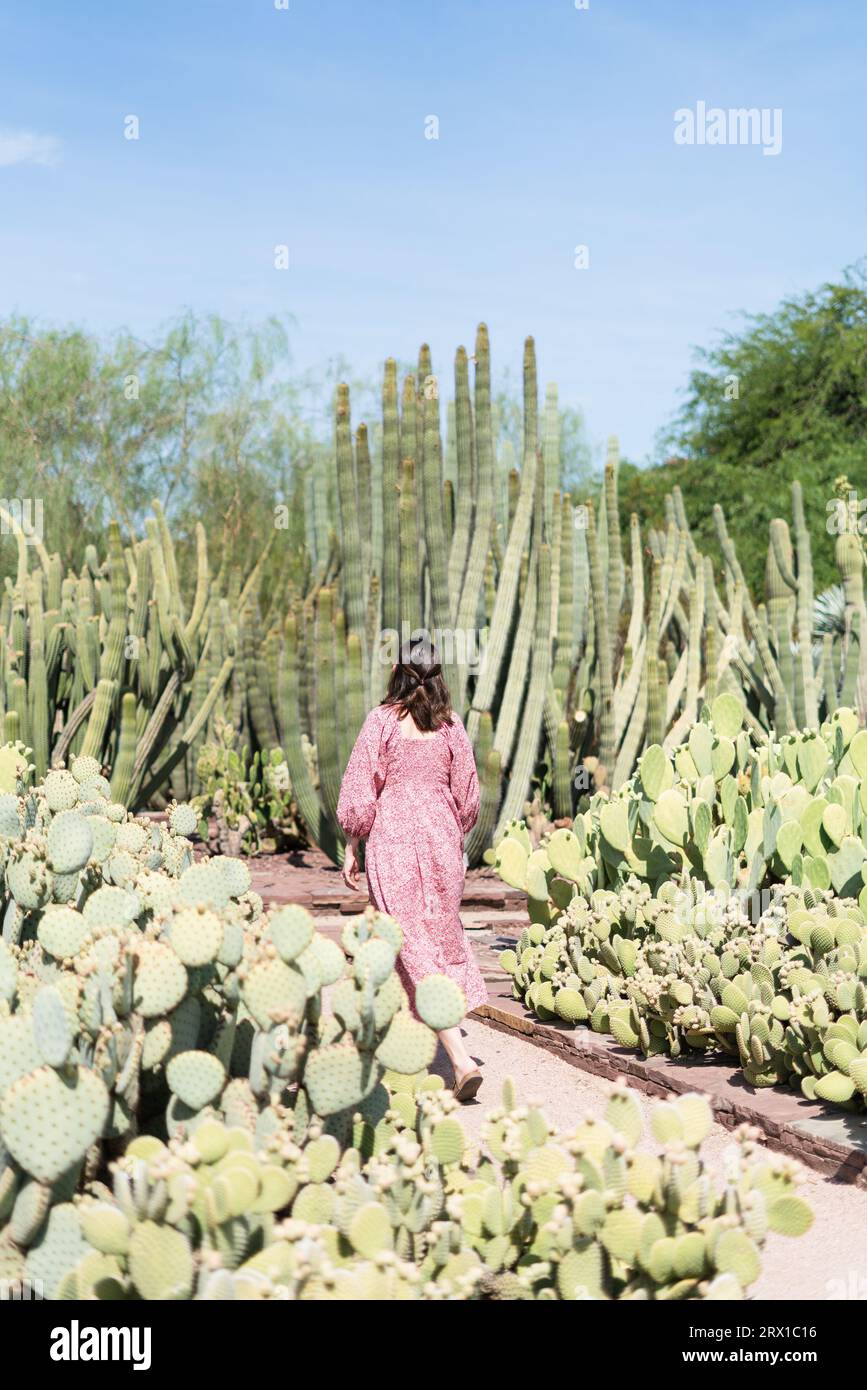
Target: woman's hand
column 350, row 866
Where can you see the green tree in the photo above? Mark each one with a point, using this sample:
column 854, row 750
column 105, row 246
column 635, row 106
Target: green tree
column 784, row 398
column 207, row 418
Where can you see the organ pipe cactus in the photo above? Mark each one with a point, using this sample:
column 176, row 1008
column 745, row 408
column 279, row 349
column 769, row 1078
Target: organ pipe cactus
column 117, row 662
column 662, row 640
column 104, row 664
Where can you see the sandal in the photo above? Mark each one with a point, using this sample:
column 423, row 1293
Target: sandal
column 466, row 1088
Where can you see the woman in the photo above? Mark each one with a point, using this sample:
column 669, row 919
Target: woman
column 410, row 789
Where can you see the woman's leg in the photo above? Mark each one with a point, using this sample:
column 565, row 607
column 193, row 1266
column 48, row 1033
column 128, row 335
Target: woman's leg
column 456, row 1049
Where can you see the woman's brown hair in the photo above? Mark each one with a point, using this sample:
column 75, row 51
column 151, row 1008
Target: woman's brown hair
column 416, row 687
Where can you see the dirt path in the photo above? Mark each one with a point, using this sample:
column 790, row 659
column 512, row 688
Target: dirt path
column 830, row 1261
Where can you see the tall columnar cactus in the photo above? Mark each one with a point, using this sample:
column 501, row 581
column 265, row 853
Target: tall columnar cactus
column 465, row 449
column 390, row 499
column 410, row 568
column 566, row 598
column 316, row 818
column 809, row 704
column 467, row 604
column 75, row 648
column 849, row 553
column 523, row 764
column 781, row 604
column 519, row 536
column 434, row 529
column 604, row 707
column 355, row 579
column 122, row 661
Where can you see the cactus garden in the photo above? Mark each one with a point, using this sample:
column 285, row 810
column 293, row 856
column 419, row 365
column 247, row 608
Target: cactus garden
column 205, row 1098
column 433, row 673
column 569, row 646
column 182, row 1118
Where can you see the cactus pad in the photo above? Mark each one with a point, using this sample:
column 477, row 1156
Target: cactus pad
column 84, row 769
column 274, row 992
column 62, row 932
column 196, row 1078
column 160, row 1262
column 440, row 1003
column 183, row 819
column 374, row 960
column 49, row 1120
column 160, row 979
column 61, row 791
column 338, row 1078
column 291, row 929
column 52, row 1032
column 408, row 1046
column 196, row 936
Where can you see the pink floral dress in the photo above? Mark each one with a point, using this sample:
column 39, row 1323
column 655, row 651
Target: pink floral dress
column 413, row 800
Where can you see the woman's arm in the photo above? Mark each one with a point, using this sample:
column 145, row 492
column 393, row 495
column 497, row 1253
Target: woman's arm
column 463, row 778
column 356, row 807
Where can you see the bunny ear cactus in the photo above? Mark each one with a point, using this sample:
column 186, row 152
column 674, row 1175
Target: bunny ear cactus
column 616, row 1234
column 420, row 1213
column 303, row 1153
column 716, row 903
column 139, row 987
column 721, row 806
column 248, row 796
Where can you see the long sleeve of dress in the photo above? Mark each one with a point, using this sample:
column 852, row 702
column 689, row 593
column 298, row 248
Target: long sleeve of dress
column 463, row 778
column 356, row 807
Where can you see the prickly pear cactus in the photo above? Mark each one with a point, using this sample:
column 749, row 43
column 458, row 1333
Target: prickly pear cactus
column 715, row 904
column 183, row 1115
column 412, row 1210
column 143, row 992
column 722, row 807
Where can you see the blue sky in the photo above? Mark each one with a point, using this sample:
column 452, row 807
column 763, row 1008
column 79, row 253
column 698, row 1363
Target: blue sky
column 305, row 126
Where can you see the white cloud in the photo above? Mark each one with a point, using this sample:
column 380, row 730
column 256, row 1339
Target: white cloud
column 26, row 147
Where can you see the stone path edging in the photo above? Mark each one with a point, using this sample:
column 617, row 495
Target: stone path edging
column 832, row 1141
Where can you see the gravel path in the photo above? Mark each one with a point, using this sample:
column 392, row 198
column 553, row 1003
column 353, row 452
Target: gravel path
column 830, row 1261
